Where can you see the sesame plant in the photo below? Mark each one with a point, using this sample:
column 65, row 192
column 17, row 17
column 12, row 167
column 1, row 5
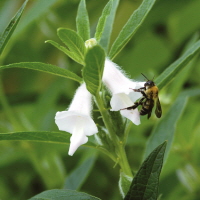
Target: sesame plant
column 91, row 124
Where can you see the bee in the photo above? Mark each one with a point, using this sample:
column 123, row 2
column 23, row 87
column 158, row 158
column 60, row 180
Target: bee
column 149, row 99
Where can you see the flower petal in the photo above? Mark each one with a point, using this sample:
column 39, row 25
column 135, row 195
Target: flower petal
column 67, row 120
column 120, row 101
column 82, row 101
column 77, row 139
column 90, row 127
column 132, row 115
column 115, row 80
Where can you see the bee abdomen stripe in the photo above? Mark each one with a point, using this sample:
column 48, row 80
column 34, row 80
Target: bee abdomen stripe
column 144, row 109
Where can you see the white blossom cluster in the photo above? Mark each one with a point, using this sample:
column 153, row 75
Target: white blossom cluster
column 78, row 120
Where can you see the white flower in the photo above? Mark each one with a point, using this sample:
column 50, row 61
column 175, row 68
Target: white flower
column 77, row 120
column 121, row 88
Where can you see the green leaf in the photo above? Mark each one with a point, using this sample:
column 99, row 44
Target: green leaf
column 102, row 20
column 78, row 176
column 73, row 41
column 124, row 183
column 63, row 194
column 105, row 37
column 41, row 136
column 36, row 11
column 166, row 127
column 177, row 66
column 183, row 75
column 45, row 68
column 132, row 25
column 11, row 27
column 93, row 70
column 82, row 21
column 146, row 181
column 72, row 55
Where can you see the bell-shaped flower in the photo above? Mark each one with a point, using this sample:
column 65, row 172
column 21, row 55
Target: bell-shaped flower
column 77, row 120
column 121, row 88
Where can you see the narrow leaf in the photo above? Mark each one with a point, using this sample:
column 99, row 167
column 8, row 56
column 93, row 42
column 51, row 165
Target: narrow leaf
column 11, row 27
column 178, row 65
column 45, row 68
column 63, row 194
column 131, row 27
column 82, row 21
column 77, row 177
column 41, row 136
column 73, row 41
column 105, row 37
column 38, row 9
column 72, row 55
column 102, row 20
column 165, row 130
column 166, row 127
column 146, row 181
column 93, row 70
column 182, row 76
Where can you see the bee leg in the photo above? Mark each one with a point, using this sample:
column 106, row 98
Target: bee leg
column 136, row 104
column 144, row 94
column 138, row 90
column 141, row 90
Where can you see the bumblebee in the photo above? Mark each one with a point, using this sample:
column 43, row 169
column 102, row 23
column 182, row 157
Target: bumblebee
column 149, row 99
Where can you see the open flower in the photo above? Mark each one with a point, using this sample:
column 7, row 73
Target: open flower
column 121, row 88
column 77, row 120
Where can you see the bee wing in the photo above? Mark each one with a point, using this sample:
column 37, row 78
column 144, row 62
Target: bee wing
column 149, row 114
column 150, row 108
column 158, row 110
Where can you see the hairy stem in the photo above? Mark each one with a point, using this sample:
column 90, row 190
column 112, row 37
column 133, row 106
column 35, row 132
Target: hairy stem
column 119, row 146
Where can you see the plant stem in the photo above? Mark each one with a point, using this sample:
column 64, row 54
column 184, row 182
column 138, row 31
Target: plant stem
column 109, row 154
column 119, row 146
column 126, row 131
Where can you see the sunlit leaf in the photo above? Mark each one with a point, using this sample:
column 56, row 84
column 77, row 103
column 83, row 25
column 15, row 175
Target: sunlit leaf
column 72, row 55
column 102, row 20
column 73, row 41
column 93, row 70
column 131, row 27
column 146, row 181
column 63, row 194
column 105, row 37
column 45, row 68
column 11, row 27
column 82, row 21
column 40, row 136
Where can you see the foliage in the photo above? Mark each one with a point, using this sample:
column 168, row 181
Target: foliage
column 143, row 37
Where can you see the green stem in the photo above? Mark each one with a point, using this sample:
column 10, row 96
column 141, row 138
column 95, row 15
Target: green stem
column 127, row 130
column 106, row 152
column 119, row 145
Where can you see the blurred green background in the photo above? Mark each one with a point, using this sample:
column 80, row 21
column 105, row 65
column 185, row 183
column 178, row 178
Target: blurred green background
column 33, row 98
